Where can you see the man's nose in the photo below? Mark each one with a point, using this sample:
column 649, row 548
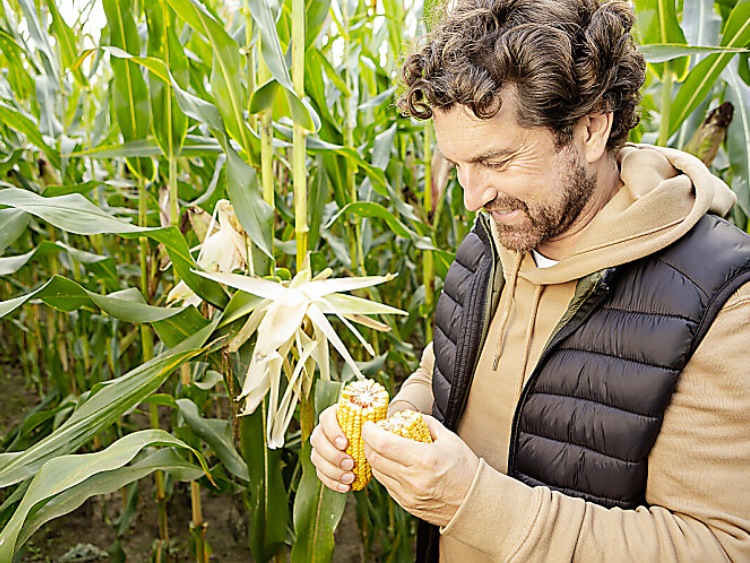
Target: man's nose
column 477, row 192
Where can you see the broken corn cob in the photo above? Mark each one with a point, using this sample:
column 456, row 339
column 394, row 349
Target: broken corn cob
column 407, row 424
column 360, row 401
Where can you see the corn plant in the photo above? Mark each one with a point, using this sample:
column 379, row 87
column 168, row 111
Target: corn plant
column 184, row 197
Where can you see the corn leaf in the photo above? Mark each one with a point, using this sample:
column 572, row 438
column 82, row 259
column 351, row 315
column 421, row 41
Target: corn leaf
column 105, row 403
column 217, row 434
column 66, row 295
column 269, row 512
column 317, row 509
column 130, row 93
column 66, row 40
column 75, row 214
column 738, row 135
column 103, row 266
column 64, row 472
column 108, row 482
column 225, row 79
column 666, row 52
column 14, row 223
column 703, row 76
column 20, row 121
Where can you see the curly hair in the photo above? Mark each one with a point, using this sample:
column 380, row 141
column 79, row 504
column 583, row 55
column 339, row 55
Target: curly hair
column 566, row 58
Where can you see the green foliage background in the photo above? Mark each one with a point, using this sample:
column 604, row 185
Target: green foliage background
column 109, row 147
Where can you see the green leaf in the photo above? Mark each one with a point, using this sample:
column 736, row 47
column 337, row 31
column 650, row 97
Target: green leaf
column 130, row 94
column 225, row 78
column 703, row 76
column 177, row 328
column 317, row 509
column 270, row 44
column 170, row 123
column 194, row 145
column 65, row 38
column 268, row 508
column 14, row 223
column 658, row 23
column 41, row 39
column 66, row 295
column 738, row 134
column 104, row 405
column 375, row 210
column 58, row 475
column 217, row 434
column 103, row 266
column 264, row 96
column 666, row 52
column 75, row 214
column 18, row 120
column 254, row 213
column 108, row 482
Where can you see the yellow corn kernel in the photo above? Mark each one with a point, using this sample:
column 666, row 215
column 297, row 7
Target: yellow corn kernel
column 360, row 401
column 408, row 424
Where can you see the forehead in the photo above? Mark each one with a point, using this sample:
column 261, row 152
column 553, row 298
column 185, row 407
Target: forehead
column 464, row 138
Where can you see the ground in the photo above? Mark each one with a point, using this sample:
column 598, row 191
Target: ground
column 87, row 533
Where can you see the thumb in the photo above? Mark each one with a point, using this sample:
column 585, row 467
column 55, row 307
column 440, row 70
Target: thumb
column 436, row 427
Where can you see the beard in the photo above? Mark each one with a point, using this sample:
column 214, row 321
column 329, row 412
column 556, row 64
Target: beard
column 544, row 220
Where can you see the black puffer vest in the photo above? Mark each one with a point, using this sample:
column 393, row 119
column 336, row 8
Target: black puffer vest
column 593, row 405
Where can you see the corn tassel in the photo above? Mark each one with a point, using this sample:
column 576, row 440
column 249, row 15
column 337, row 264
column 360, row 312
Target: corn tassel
column 407, row 424
column 360, row 401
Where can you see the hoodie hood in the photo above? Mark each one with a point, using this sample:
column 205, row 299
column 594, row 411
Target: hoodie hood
column 665, row 193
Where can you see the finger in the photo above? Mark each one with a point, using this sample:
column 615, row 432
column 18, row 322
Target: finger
column 391, row 446
column 328, row 451
column 333, row 484
column 331, row 427
column 334, row 477
column 435, row 426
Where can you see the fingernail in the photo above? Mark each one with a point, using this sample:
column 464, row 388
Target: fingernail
column 343, row 488
column 348, row 478
column 347, row 464
column 340, row 443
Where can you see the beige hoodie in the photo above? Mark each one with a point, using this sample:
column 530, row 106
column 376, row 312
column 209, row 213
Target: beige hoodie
column 699, row 469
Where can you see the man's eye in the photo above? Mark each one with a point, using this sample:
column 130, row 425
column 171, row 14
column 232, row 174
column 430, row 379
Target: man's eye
column 496, row 165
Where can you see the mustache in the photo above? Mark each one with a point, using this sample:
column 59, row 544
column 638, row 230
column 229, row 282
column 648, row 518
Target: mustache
column 506, row 204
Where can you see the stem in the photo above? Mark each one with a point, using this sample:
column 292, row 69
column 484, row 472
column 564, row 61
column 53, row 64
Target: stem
column 666, row 103
column 250, row 59
column 299, row 171
column 356, row 249
column 197, row 524
column 147, row 348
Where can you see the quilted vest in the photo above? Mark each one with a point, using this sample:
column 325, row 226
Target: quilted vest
column 594, row 403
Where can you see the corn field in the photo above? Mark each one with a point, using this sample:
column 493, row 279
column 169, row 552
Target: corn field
column 203, row 190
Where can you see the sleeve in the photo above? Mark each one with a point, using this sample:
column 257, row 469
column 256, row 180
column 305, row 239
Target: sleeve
column 698, row 483
column 416, row 391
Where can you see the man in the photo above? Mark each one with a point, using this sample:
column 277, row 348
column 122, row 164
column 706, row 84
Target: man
column 588, row 374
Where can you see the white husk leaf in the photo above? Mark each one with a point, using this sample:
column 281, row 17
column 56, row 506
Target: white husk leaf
column 293, row 314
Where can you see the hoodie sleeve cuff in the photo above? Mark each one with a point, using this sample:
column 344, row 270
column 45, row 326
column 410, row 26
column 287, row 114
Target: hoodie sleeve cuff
column 508, row 504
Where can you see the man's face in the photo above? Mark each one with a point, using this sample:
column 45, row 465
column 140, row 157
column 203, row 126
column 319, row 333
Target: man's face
column 533, row 189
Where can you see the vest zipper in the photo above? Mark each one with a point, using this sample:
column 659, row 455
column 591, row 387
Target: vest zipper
column 588, row 303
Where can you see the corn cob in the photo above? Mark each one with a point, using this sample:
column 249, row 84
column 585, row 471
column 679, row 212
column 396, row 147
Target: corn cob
column 360, row 401
column 407, row 424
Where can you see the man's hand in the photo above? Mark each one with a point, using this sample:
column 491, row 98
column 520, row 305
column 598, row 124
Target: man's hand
column 333, row 465
column 428, row 480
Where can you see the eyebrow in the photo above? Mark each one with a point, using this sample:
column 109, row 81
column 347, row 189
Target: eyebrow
column 490, row 154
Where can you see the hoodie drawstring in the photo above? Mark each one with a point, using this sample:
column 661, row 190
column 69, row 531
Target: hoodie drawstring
column 506, row 307
column 527, row 340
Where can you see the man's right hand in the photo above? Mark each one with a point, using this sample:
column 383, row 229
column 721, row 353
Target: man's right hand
column 333, row 464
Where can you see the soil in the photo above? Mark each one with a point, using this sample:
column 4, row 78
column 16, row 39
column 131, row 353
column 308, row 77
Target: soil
column 88, row 533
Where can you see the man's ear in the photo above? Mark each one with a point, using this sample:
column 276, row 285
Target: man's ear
column 594, row 130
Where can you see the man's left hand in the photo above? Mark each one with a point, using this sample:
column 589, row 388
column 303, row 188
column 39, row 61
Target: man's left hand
column 428, row 480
